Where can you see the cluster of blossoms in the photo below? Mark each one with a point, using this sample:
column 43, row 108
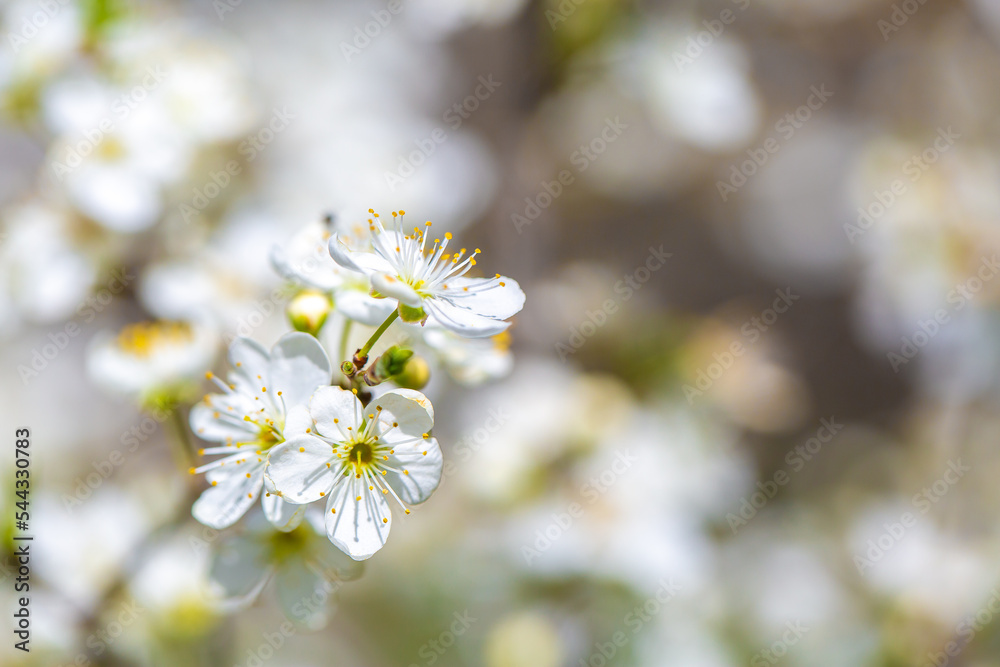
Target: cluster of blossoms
column 295, row 432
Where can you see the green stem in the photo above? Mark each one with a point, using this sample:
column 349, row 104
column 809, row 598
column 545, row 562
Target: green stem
column 378, row 333
column 344, row 334
column 186, row 448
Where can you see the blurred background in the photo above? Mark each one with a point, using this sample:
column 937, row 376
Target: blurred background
column 747, row 416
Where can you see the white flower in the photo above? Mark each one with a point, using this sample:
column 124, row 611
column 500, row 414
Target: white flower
column 470, row 361
column 358, row 456
column 264, row 403
column 306, row 261
column 301, row 561
column 147, row 358
column 432, row 283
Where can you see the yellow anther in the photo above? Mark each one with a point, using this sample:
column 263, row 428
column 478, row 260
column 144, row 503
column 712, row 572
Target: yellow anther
column 302, row 449
column 214, row 483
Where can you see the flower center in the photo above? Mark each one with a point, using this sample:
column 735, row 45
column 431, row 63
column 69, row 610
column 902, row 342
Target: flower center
column 361, row 453
column 144, row 338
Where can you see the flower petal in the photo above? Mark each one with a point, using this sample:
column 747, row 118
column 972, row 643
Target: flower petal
column 240, row 567
column 297, row 421
column 249, row 360
column 207, row 423
column 358, row 527
column 391, row 286
column 334, row 409
column 499, row 302
column 423, row 462
column 299, row 365
column 283, row 515
column 355, row 260
column 222, row 504
column 361, row 307
column 408, row 408
column 298, row 587
column 463, row 321
column 297, row 469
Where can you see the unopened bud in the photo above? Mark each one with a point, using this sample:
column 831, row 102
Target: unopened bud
column 411, row 314
column 308, row 311
column 415, row 374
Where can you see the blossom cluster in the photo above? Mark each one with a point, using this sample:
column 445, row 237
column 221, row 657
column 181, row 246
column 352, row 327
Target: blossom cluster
column 291, row 430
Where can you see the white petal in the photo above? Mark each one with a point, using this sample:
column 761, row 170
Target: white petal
column 358, row 528
column 342, row 254
column 333, row 562
column 240, row 566
column 406, row 407
column 498, row 302
column 355, row 260
column 363, row 308
column 248, row 359
column 335, row 403
column 297, row 421
column 222, row 505
column 207, row 424
column 462, row 320
column 299, row 365
column 283, row 515
column 391, row 286
column 297, row 469
column 298, row 587
column 423, row 463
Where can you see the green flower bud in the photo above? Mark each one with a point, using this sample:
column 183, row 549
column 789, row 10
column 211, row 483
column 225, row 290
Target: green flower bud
column 308, row 311
column 411, row 314
column 415, row 374
column 392, row 362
